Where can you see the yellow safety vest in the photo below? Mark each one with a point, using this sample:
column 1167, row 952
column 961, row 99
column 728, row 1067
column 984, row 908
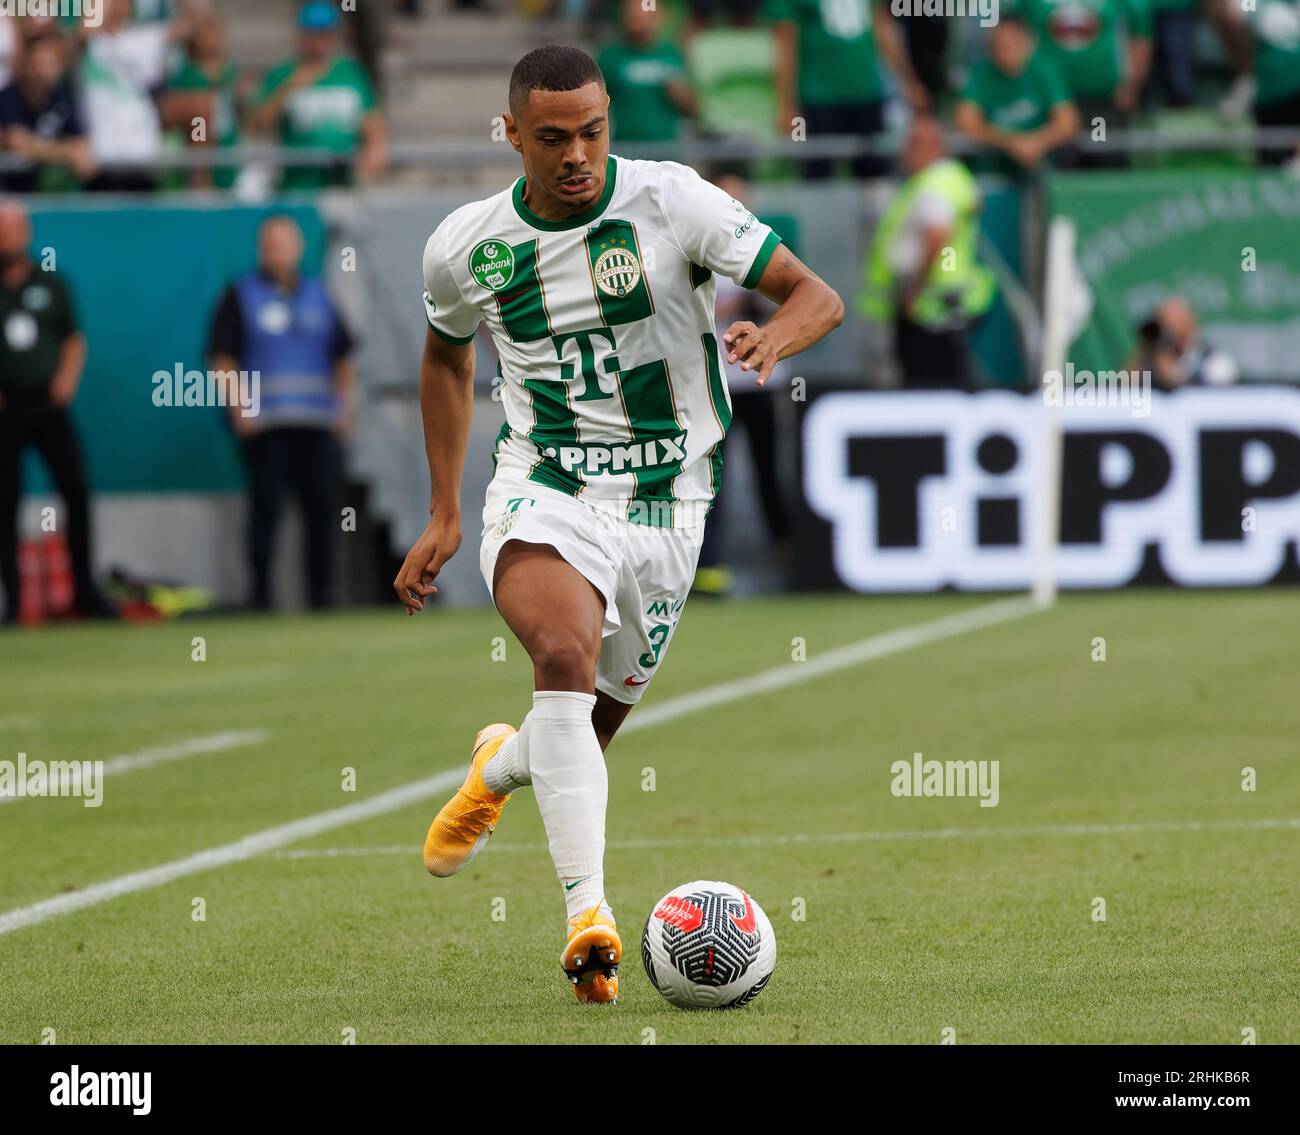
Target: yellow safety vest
column 958, row 287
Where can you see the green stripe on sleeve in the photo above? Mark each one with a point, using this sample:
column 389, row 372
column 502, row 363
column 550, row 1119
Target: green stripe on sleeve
column 765, row 254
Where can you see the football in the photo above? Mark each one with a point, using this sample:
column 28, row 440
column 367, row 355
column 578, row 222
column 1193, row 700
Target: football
column 708, row 945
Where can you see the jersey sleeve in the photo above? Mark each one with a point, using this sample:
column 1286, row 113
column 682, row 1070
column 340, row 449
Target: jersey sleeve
column 450, row 316
column 715, row 230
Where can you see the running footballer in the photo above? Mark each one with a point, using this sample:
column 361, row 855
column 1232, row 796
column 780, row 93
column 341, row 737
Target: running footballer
column 594, row 274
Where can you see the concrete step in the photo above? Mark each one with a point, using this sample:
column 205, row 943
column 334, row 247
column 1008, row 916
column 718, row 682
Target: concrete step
column 446, row 73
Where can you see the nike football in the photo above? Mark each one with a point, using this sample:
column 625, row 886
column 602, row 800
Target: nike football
column 708, row 945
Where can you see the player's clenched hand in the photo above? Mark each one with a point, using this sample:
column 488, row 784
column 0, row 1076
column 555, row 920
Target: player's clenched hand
column 436, row 545
column 753, row 347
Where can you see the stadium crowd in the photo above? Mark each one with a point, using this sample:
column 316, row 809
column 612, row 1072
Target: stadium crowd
column 930, row 100
column 96, row 107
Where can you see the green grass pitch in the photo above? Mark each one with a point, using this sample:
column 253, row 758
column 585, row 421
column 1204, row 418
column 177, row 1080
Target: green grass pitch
column 1119, row 779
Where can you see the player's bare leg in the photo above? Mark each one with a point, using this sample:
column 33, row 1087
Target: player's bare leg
column 557, row 616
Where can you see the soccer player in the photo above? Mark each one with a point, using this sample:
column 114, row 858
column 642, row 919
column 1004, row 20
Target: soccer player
column 595, row 275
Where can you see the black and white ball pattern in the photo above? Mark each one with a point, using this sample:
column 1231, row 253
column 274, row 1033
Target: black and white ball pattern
column 708, row 945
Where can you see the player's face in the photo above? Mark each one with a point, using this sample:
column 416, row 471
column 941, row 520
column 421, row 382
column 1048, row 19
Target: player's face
column 564, row 139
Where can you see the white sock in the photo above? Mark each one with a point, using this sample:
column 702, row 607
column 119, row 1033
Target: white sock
column 572, row 786
column 508, row 768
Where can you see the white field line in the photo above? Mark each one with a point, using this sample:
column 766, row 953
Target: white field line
column 161, row 754
column 1155, row 826
column 818, row 666
column 241, row 849
column 271, row 839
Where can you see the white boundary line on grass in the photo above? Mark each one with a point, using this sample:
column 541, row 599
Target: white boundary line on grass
column 884, row 835
column 271, row 839
column 161, row 754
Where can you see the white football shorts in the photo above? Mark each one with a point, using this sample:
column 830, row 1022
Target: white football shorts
column 643, row 573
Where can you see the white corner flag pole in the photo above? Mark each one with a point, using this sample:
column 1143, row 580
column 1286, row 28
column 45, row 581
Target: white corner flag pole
column 1058, row 280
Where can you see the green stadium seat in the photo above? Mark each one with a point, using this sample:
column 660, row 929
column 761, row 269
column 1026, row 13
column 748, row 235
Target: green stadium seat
column 1197, row 120
column 734, row 74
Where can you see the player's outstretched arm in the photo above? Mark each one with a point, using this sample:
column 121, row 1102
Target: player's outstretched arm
column 809, row 309
column 447, row 406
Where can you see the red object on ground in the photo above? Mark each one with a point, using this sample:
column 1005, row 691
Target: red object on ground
column 32, row 608
column 138, row 611
column 59, row 587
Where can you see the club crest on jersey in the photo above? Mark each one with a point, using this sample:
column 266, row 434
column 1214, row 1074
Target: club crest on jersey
column 617, row 271
column 492, row 264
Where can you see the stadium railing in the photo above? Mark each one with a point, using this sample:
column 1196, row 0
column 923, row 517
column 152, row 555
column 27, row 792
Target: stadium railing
column 450, row 155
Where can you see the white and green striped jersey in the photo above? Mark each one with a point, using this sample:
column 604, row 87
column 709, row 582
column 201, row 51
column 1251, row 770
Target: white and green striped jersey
column 610, row 366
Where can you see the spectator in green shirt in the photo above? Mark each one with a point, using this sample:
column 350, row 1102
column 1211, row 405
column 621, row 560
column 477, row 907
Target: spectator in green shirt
column 1104, row 49
column 828, row 72
column 1017, row 101
column 645, row 76
column 204, row 96
column 323, row 100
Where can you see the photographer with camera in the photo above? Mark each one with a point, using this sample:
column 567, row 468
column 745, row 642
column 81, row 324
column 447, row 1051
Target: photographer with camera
column 1171, row 348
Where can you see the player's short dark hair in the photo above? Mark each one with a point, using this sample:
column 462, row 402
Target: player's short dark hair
column 555, row 67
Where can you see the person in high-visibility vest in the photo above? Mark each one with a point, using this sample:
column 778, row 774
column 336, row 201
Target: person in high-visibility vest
column 921, row 273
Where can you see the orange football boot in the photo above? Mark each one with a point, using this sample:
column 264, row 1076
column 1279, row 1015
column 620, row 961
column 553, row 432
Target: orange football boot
column 591, row 956
column 468, row 819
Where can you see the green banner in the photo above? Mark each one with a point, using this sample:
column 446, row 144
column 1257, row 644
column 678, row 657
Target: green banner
column 1227, row 242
